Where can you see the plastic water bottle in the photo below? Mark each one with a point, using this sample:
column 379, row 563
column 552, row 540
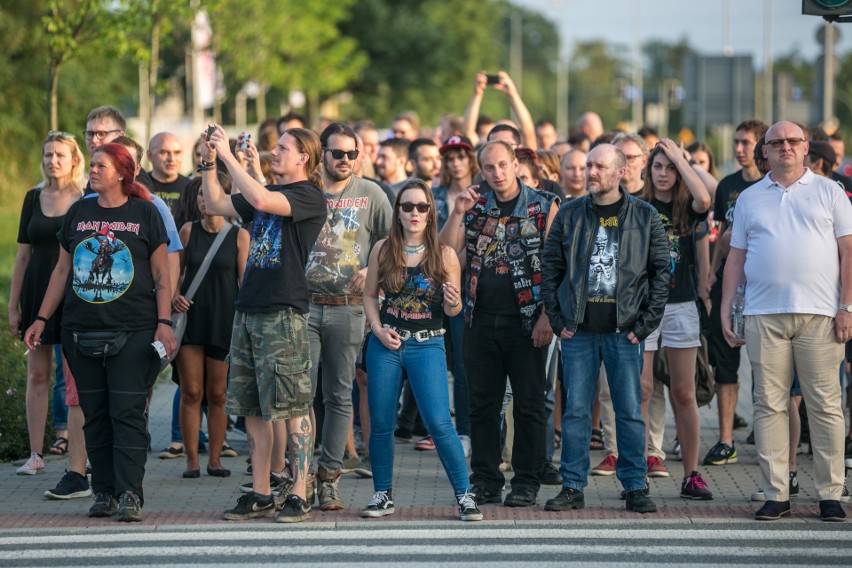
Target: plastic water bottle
column 737, row 318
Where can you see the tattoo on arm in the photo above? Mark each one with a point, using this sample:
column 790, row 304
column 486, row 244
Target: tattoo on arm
column 158, row 285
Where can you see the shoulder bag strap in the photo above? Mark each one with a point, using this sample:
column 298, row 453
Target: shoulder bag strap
column 205, row 264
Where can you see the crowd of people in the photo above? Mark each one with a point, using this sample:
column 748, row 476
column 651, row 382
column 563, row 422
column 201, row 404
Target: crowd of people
column 329, row 282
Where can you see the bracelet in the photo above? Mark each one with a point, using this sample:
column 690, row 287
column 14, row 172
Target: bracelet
column 262, row 181
column 207, row 164
column 374, row 323
column 167, row 322
column 41, row 318
column 205, row 168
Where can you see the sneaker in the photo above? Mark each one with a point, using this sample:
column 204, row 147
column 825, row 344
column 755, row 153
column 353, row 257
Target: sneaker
column 645, row 490
column 295, row 510
column 364, row 468
column 349, row 464
column 250, row 506
column 171, row 453
column 550, row 475
column 694, row 487
column 310, row 488
column 773, row 510
column 638, row 502
column 402, row 434
column 483, row 496
column 88, row 468
column 468, row 511
column 521, row 497
column 328, row 490
column 844, row 496
column 33, row 466
column 739, row 422
column 721, row 454
column 129, row 507
column 758, row 495
column 848, row 453
column 676, row 450
column 750, row 438
column 71, row 486
column 606, row 467
column 381, row 505
column 794, row 485
column 566, row 500
column 228, row 451
column 656, row 467
column 425, row 445
column 831, row 511
column 465, row 442
column 249, row 469
column 276, row 482
column 103, row 505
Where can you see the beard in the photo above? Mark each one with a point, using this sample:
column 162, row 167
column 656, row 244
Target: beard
column 334, row 173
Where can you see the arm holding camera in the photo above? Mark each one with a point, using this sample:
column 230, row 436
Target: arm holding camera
column 471, row 113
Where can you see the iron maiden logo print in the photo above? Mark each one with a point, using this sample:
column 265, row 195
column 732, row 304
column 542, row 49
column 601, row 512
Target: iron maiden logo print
column 103, row 267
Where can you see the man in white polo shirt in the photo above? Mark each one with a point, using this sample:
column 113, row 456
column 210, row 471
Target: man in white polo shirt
column 792, row 245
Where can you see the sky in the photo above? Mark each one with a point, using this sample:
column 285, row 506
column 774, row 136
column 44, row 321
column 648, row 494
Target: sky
column 707, row 24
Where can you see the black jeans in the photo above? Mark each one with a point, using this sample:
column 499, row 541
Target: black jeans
column 113, row 396
column 496, row 347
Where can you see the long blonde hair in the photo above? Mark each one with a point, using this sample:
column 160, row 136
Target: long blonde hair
column 309, row 143
column 392, row 270
column 77, row 179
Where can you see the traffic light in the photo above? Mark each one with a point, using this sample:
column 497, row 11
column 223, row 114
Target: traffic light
column 831, row 10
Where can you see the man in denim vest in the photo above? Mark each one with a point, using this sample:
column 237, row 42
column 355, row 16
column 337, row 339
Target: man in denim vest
column 498, row 229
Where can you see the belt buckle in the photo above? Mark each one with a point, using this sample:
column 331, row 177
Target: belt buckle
column 422, row 335
column 404, row 334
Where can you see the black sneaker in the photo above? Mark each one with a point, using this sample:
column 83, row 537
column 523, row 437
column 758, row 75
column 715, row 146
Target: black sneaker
column 794, row 485
column 645, row 490
column 721, row 454
column 380, row 505
column 739, row 422
column 638, row 502
column 774, row 510
column 750, row 438
column 550, row 475
column 295, row 510
column 104, row 505
column 277, row 481
column 249, row 506
column 831, row 511
column 694, row 487
column 468, row 511
column 567, row 499
column 483, row 496
column 521, row 497
column 71, row 486
column 129, row 507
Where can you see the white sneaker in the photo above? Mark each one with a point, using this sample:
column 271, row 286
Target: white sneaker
column 465, row 441
column 844, row 497
column 33, row 466
column 758, row 495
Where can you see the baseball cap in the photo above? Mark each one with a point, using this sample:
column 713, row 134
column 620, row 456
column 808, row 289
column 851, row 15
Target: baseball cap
column 454, row 142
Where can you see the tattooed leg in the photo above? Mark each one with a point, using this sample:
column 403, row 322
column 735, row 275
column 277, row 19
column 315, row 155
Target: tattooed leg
column 300, row 451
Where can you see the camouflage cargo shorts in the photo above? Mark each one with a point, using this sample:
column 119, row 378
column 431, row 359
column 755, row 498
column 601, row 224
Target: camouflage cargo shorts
column 270, row 363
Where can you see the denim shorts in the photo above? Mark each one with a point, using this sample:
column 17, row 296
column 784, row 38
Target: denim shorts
column 680, row 328
column 270, row 362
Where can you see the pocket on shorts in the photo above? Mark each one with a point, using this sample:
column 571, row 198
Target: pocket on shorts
column 292, row 382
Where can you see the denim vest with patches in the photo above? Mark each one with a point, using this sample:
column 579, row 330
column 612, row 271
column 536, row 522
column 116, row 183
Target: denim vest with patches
column 525, row 232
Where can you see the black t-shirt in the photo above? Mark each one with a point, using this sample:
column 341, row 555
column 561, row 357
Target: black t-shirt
column 417, row 306
column 110, row 286
column 727, row 192
column 275, row 271
column 601, row 312
column 495, row 293
column 170, row 192
column 682, row 253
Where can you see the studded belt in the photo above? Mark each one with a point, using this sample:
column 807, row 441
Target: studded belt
column 419, row 336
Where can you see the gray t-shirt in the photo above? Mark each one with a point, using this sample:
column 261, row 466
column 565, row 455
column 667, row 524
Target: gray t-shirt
column 358, row 217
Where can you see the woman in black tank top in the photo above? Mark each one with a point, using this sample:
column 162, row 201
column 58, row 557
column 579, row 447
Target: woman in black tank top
column 420, row 280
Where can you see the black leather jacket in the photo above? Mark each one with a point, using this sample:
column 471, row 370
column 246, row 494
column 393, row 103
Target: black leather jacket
column 642, row 287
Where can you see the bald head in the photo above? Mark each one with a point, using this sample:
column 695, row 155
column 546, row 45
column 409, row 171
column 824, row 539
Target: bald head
column 591, row 125
column 605, row 167
column 165, row 153
column 785, row 150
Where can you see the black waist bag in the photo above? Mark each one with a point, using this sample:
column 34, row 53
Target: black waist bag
column 100, row 343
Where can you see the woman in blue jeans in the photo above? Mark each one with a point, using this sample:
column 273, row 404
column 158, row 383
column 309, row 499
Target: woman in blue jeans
column 420, row 282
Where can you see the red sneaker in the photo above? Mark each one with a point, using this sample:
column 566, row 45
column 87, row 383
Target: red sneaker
column 425, row 445
column 656, row 467
column 606, row 467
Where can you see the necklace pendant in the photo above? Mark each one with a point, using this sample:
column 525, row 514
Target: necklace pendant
column 410, row 250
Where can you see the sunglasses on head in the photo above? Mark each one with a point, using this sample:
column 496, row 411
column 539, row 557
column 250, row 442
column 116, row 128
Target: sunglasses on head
column 338, row 154
column 409, row 207
column 61, row 133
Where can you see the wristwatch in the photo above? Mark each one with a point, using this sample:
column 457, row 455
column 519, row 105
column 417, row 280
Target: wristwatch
column 845, row 308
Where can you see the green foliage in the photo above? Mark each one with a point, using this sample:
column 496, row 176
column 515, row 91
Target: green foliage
column 593, row 72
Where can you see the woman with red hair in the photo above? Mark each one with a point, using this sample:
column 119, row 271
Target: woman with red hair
column 113, row 276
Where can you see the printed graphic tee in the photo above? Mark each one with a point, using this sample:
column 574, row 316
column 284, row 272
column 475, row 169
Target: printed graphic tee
column 357, row 218
column 274, row 279
column 110, row 286
column 417, row 307
column 682, row 254
column 602, row 277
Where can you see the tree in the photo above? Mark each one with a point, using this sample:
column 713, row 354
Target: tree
column 595, row 69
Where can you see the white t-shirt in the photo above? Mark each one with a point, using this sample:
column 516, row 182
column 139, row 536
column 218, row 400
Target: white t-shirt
column 790, row 237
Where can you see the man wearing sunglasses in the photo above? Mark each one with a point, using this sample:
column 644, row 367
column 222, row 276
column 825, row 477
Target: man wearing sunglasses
column 359, row 215
column 791, row 246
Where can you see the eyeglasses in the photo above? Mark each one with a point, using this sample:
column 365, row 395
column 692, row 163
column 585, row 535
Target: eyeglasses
column 338, row 154
column 61, row 133
column 631, row 157
column 409, row 207
column 99, row 134
column 779, row 142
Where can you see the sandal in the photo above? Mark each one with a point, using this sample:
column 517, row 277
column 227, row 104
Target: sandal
column 59, row 447
column 597, row 440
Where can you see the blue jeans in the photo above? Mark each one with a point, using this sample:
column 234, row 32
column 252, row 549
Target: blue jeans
column 581, row 362
column 426, row 365
column 177, row 437
column 60, row 411
column 461, row 397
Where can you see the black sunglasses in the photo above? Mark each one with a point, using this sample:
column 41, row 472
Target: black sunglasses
column 409, row 207
column 338, row 154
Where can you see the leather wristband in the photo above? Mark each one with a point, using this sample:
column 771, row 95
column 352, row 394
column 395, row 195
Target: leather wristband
column 167, row 322
column 41, row 318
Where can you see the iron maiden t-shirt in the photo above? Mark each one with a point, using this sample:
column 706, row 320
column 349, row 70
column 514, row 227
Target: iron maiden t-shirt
column 110, row 286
